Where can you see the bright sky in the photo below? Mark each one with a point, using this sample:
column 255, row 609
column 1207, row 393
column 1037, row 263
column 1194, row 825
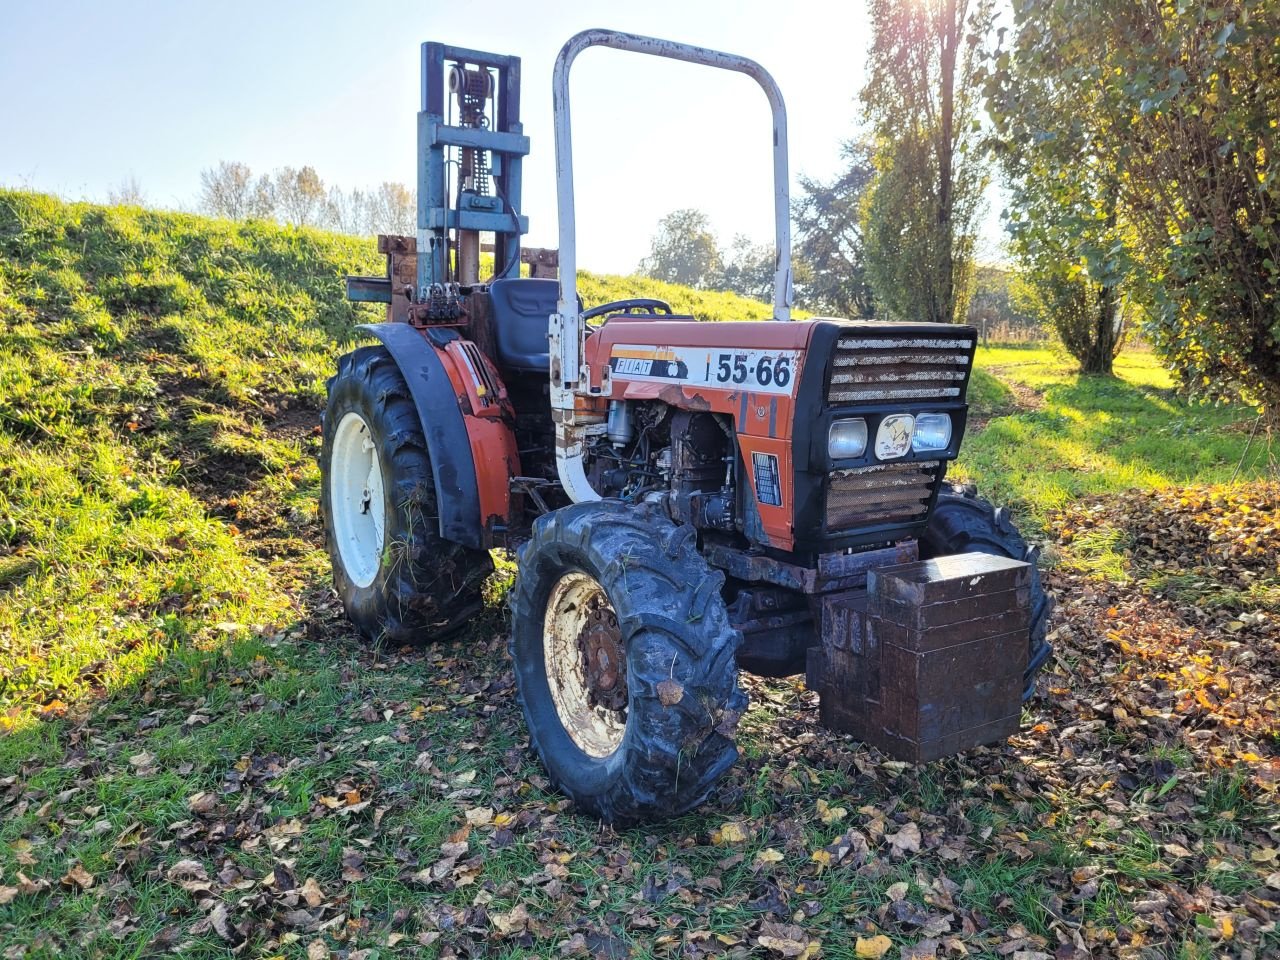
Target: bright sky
column 95, row 93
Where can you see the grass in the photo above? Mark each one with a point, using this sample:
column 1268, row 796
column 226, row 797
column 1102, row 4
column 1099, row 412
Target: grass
column 1052, row 436
column 166, row 631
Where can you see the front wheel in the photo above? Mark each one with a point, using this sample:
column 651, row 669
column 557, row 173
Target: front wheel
column 624, row 661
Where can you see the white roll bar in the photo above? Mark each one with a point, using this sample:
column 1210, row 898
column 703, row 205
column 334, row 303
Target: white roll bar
column 566, row 331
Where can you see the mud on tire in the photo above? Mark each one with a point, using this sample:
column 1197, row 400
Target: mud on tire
column 963, row 522
column 424, row 586
column 682, row 694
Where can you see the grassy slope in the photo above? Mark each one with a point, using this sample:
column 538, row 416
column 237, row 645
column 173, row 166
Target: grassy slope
column 159, row 382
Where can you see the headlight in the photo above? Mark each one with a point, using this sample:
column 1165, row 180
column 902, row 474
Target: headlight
column 893, row 438
column 933, row 432
column 847, row 438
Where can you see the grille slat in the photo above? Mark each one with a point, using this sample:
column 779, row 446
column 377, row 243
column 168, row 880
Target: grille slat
column 874, row 369
column 882, row 494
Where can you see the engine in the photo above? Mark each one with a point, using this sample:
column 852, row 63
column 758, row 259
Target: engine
column 682, row 459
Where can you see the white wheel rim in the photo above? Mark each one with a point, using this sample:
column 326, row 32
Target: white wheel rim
column 356, row 499
column 575, row 601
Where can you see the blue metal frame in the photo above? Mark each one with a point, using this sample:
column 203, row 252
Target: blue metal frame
column 507, row 143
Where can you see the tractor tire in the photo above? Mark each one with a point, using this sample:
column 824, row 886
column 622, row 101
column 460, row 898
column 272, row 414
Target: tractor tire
column 624, row 661
column 963, row 522
column 399, row 581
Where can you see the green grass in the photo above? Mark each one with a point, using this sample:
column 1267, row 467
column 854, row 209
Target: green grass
column 166, row 630
column 1051, row 435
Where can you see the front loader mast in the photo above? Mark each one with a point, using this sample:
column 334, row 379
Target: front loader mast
column 567, row 334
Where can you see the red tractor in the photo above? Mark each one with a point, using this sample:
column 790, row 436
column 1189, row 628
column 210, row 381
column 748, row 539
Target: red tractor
column 685, row 499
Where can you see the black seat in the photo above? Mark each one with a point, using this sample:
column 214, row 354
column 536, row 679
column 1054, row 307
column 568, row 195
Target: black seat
column 518, row 312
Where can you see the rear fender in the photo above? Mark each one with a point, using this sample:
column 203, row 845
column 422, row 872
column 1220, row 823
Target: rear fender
column 467, row 423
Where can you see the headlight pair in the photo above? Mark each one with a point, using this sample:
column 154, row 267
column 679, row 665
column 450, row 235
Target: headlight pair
column 897, row 433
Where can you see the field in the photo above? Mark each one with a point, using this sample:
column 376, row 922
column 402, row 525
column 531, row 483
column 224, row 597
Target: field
column 199, row 757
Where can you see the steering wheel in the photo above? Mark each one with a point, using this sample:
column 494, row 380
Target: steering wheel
column 635, row 304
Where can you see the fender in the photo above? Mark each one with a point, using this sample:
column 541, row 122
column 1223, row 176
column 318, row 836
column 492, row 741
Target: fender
column 443, row 423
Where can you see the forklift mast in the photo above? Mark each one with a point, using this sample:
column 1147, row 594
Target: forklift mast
column 468, row 164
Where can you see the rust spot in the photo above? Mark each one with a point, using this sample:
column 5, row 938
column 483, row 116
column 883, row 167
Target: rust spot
column 675, row 395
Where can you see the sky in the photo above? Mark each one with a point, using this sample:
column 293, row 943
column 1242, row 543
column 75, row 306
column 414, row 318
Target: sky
column 97, row 93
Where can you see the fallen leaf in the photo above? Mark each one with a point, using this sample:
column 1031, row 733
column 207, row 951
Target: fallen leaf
column 872, row 948
column 201, row 802
column 897, row 891
column 729, row 832
column 670, row 692
column 923, row 950
column 312, row 893
column 480, row 816
column 513, row 921
column 906, row 840
column 830, row 814
column 78, row 877
column 787, row 940
column 317, row 950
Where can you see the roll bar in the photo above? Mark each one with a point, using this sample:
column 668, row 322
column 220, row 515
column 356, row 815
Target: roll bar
column 782, row 289
column 566, row 329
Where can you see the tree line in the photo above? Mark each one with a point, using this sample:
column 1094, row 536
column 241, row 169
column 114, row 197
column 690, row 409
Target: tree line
column 299, row 197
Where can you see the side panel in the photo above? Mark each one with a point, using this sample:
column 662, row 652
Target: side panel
column 753, row 381
column 470, row 502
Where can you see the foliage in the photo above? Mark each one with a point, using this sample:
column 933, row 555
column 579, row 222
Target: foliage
column 1175, row 105
column 1088, row 317
column 300, row 198
column 684, row 251
column 922, row 209
column 749, row 269
column 1067, row 221
column 998, row 306
column 830, row 260
column 204, row 761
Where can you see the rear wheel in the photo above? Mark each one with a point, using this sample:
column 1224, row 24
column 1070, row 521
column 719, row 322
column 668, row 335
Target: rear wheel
column 963, row 522
column 397, row 578
column 624, row 661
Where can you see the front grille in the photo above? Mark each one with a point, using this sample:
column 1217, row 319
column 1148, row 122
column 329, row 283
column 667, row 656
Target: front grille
column 914, row 368
column 886, row 493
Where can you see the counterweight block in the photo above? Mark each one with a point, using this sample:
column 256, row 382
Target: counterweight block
column 928, row 660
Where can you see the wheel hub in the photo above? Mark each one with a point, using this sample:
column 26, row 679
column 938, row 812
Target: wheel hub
column 356, row 499
column 600, row 645
column 586, row 666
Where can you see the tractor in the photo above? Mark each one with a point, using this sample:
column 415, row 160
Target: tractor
column 685, row 499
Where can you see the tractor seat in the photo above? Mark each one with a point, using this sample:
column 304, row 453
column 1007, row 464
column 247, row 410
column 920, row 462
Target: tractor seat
column 518, row 312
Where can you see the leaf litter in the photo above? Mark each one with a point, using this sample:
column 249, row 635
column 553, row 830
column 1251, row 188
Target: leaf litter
column 1134, row 814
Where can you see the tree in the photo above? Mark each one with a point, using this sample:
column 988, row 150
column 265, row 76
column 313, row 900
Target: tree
column 392, row 209
column 831, row 273
column 1068, row 229
column 922, row 101
column 1087, row 317
column 1182, row 99
column 1001, row 304
column 684, row 251
column 228, row 190
column 749, row 269
column 127, row 193
column 299, row 195
column 347, row 211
